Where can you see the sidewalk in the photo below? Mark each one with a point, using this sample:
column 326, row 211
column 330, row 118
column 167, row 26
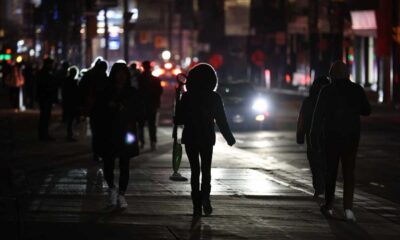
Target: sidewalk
column 63, row 197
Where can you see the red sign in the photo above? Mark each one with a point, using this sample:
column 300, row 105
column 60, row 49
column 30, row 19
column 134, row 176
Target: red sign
column 258, row 58
column 216, row 60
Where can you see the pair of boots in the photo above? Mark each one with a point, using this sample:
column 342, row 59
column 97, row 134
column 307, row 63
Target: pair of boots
column 201, row 202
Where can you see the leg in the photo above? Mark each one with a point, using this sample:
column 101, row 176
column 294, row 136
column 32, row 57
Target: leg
column 141, row 133
column 193, row 155
column 108, row 169
column 348, row 166
column 206, row 159
column 332, row 168
column 151, row 121
column 317, row 171
column 124, row 174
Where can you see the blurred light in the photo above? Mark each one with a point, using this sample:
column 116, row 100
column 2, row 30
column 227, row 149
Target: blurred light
column 288, row 78
column 168, row 65
column 135, row 14
column 186, row 62
column 260, row 118
column 164, row 83
column 19, row 59
column 20, row 43
column 166, row 55
column 101, row 30
column 158, row 72
column 8, row 51
column 176, row 71
column 130, row 138
column 267, row 75
column 260, row 105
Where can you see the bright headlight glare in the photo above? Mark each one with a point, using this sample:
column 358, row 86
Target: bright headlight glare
column 260, row 105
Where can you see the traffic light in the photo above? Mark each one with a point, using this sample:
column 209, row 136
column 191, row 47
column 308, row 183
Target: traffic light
column 350, row 56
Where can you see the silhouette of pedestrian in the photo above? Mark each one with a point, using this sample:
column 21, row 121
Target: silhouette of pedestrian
column 135, row 73
column 122, row 109
column 94, row 82
column 47, row 92
column 316, row 159
column 61, row 76
column 337, row 115
column 15, row 81
column 150, row 89
column 70, row 99
column 197, row 110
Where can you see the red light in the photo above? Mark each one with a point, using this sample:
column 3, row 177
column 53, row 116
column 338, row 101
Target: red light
column 288, row 78
column 8, row 51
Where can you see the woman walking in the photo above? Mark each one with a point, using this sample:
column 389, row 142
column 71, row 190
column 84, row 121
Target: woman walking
column 197, row 110
column 315, row 158
column 122, row 110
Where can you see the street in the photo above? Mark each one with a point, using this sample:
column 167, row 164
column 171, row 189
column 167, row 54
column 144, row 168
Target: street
column 261, row 188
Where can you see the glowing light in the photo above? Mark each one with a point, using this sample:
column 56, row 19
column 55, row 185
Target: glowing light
column 158, row 72
column 166, row 55
column 176, row 71
column 168, row 65
column 18, row 59
column 8, row 51
column 164, row 83
column 260, row 118
column 260, row 105
column 130, row 138
column 288, row 79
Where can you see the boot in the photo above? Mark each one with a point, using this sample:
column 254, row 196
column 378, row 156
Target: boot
column 196, row 199
column 206, row 203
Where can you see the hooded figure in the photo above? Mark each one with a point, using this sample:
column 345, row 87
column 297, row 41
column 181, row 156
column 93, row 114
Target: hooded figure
column 198, row 110
column 316, row 159
column 337, row 114
column 122, row 111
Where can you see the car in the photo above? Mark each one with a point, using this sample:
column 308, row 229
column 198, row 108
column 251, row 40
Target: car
column 244, row 105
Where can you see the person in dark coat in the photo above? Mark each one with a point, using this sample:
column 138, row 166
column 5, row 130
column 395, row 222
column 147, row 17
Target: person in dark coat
column 337, row 114
column 46, row 94
column 198, row 110
column 150, row 89
column 122, row 111
column 316, row 159
column 70, row 99
column 92, row 85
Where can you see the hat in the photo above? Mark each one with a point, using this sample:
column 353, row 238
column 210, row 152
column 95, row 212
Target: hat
column 339, row 71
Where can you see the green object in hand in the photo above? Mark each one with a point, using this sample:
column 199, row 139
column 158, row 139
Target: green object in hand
column 176, row 155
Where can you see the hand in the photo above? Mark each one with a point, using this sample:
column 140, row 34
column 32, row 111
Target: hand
column 232, row 142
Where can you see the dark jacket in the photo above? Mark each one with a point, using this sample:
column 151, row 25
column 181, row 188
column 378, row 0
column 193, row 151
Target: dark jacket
column 123, row 110
column 70, row 94
column 46, row 86
column 198, row 114
column 337, row 113
column 304, row 121
column 150, row 90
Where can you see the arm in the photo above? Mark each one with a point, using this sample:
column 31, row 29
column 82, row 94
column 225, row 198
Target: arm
column 222, row 123
column 318, row 118
column 179, row 108
column 300, row 126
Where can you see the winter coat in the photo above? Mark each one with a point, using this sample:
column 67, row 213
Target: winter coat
column 122, row 112
column 46, row 86
column 150, row 90
column 337, row 113
column 198, row 114
column 304, row 121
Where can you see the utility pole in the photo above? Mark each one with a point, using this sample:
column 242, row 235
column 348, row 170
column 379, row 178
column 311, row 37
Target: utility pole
column 127, row 17
column 106, row 34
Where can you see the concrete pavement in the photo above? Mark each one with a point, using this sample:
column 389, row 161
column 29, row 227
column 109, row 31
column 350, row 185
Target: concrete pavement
column 60, row 194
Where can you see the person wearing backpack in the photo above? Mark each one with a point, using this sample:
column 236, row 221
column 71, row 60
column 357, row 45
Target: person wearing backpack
column 337, row 113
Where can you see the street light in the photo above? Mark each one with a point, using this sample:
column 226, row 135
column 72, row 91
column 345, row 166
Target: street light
column 166, row 55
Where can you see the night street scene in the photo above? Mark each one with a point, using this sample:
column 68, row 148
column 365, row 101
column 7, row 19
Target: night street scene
column 200, row 119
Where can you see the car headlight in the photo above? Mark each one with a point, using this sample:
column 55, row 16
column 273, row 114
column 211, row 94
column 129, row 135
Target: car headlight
column 260, row 105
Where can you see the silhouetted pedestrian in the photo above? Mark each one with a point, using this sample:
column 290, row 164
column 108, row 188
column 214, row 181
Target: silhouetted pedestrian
column 135, row 73
column 15, row 81
column 61, row 76
column 337, row 115
column 92, row 85
column 122, row 109
column 29, row 72
column 316, row 159
column 198, row 110
column 150, row 89
column 70, row 99
column 46, row 95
